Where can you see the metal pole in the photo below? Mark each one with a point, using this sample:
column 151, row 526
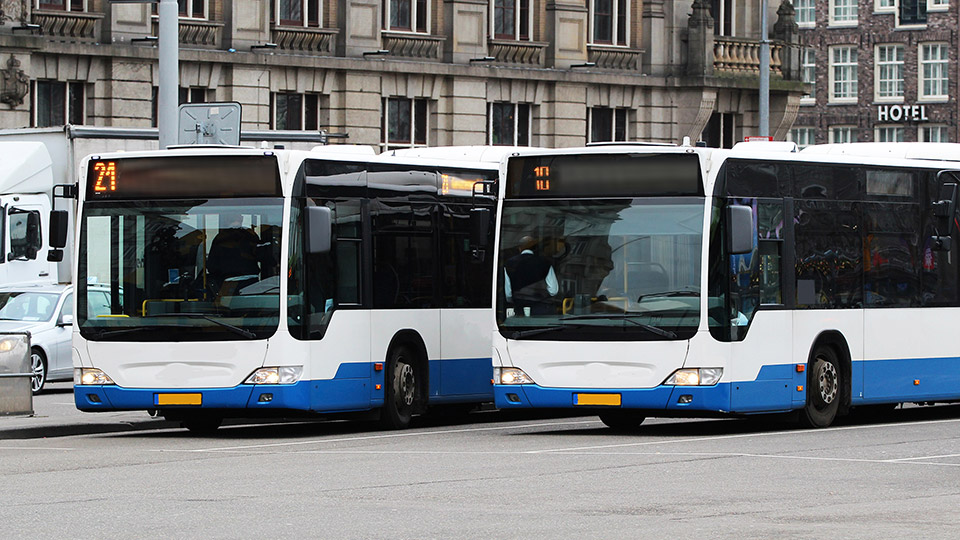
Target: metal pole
column 764, row 72
column 168, row 93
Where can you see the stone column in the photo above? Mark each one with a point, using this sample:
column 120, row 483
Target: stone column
column 787, row 32
column 245, row 23
column 465, row 25
column 360, row 22
column 566, row 31
column 700, row 40
column 655, row 41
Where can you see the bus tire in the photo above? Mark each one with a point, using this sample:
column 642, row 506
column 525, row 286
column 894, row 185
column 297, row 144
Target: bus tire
column 622, row 420
column 824, row 388
column 202, row 425
column 401, row 382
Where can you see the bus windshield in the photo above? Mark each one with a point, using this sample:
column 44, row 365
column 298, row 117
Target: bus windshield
column 181, row 270
column 617, row 269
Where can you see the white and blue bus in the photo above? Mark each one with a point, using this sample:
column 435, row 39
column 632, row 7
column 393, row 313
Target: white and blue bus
column 274, row 282
column 679, row 281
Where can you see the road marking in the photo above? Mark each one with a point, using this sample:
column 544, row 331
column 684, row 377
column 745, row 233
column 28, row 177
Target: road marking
column 388, row 436
column 35, row 448
column 738, row 436
column 927, row 457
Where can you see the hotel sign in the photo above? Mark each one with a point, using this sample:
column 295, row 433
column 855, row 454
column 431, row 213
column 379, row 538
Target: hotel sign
column 902, row 113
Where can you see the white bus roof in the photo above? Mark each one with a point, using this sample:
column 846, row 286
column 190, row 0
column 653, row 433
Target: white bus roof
column 901, row 150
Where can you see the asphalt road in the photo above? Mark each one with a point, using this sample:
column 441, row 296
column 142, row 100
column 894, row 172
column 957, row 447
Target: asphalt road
column 489, row 475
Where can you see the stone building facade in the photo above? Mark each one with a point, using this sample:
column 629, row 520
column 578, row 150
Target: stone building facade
column 395, row 73
column 881, row 70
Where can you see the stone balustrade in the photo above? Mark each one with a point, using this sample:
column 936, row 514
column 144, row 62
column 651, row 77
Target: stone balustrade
column 608, row 57
column 736, row 56
column 526, row 53
column 317, row 40
column 421, row 46
column 73, row 25
column 196, row 33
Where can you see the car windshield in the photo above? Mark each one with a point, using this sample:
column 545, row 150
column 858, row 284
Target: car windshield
column 180, row 270
column 596, row 269
column 27, row 306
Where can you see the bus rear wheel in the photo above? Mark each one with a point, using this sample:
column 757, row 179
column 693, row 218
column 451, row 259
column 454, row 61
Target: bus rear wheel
column 622, row 420
column 401, row 382
column 824, row 389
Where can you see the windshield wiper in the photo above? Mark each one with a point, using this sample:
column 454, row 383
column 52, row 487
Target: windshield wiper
column 536, row 331
column 667, row 294
column 105, row 332
column 235, row 329
column 624, row 317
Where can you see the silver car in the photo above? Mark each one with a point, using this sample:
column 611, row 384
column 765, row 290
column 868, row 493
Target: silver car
column 46, row 311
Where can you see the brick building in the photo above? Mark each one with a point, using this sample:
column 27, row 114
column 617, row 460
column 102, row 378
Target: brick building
column 881, row 70
column 397, row 73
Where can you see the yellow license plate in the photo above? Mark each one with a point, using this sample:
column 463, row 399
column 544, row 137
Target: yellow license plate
column 609, row 400
column 179, row 399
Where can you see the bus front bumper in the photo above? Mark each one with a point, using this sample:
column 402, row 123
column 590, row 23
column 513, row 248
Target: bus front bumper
column 714, row 398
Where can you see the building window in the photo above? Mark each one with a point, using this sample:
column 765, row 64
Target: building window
column 508, row 124
column 933, row 70
column 885, row 6
column 607, row 125
column 57, row 103
column 406, row 15
column 934, row 134
column 404, row 123
column 295, row 12
column 889, row 134
column 843, row 73
column 295, row 111
column 889, row 60
column 803, row 136
column 805, row 12
column 843, row 12
column 610, row 20
column 842, row 134
column 61, row 5
column 938, row 5
column 512, row 20
column 912, row 12
column 189, row 9
column 808, row 73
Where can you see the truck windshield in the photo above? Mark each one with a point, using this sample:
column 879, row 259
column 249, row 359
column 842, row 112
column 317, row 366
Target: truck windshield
column 189, row 270
column 617, row 269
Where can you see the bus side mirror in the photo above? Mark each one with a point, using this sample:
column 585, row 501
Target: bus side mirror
column 479, row 228
column 319, row 230
column 739, row 230
column 58, row 229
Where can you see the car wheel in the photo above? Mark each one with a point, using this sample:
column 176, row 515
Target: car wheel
column 38, row 366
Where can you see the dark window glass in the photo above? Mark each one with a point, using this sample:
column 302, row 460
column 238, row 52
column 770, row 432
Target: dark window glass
column 400, row 15
column 827, row 182
column 939, row 268
column 398, row 120
column 622, row 22
column 464, row 278
column 25, row 239
column 289, row 111
column 291, row 12
column 524, row 19
column 892, row 184
column 313, row 12
column 620, row 125
column 421, row 15
column 311, row 112
column 828, row 254
column 51, row 103
column 753, row 179
column 404, row 270
column 913, row 12
column 501, row 124
column 603, row 21
column 601, row 124
column 75, row 103
column 53, row 4
column 504, row 19
column 523, row 125
column 420, row 121
column 891, row 271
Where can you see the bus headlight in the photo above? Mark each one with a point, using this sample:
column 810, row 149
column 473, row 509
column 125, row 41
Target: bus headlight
column 275, row 375
column 695, row 377
column 509, row 375
column 90, row 376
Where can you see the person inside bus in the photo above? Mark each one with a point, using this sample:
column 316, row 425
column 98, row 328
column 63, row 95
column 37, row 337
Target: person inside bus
column 530, row 281
column 233, row 252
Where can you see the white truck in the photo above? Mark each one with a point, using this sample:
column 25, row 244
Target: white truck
column 35, row 162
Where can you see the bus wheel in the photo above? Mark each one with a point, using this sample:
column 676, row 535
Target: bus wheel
column 202, row 425
column 824, row 385
column 401, row 389
column 622, row 420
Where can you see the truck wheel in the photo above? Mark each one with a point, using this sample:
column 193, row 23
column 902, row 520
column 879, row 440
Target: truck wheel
column 38, row 366
column 401, row 381
column 824, row 389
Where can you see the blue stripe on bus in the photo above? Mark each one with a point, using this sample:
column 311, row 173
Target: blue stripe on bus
column 774, row 390
column 353, row 388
